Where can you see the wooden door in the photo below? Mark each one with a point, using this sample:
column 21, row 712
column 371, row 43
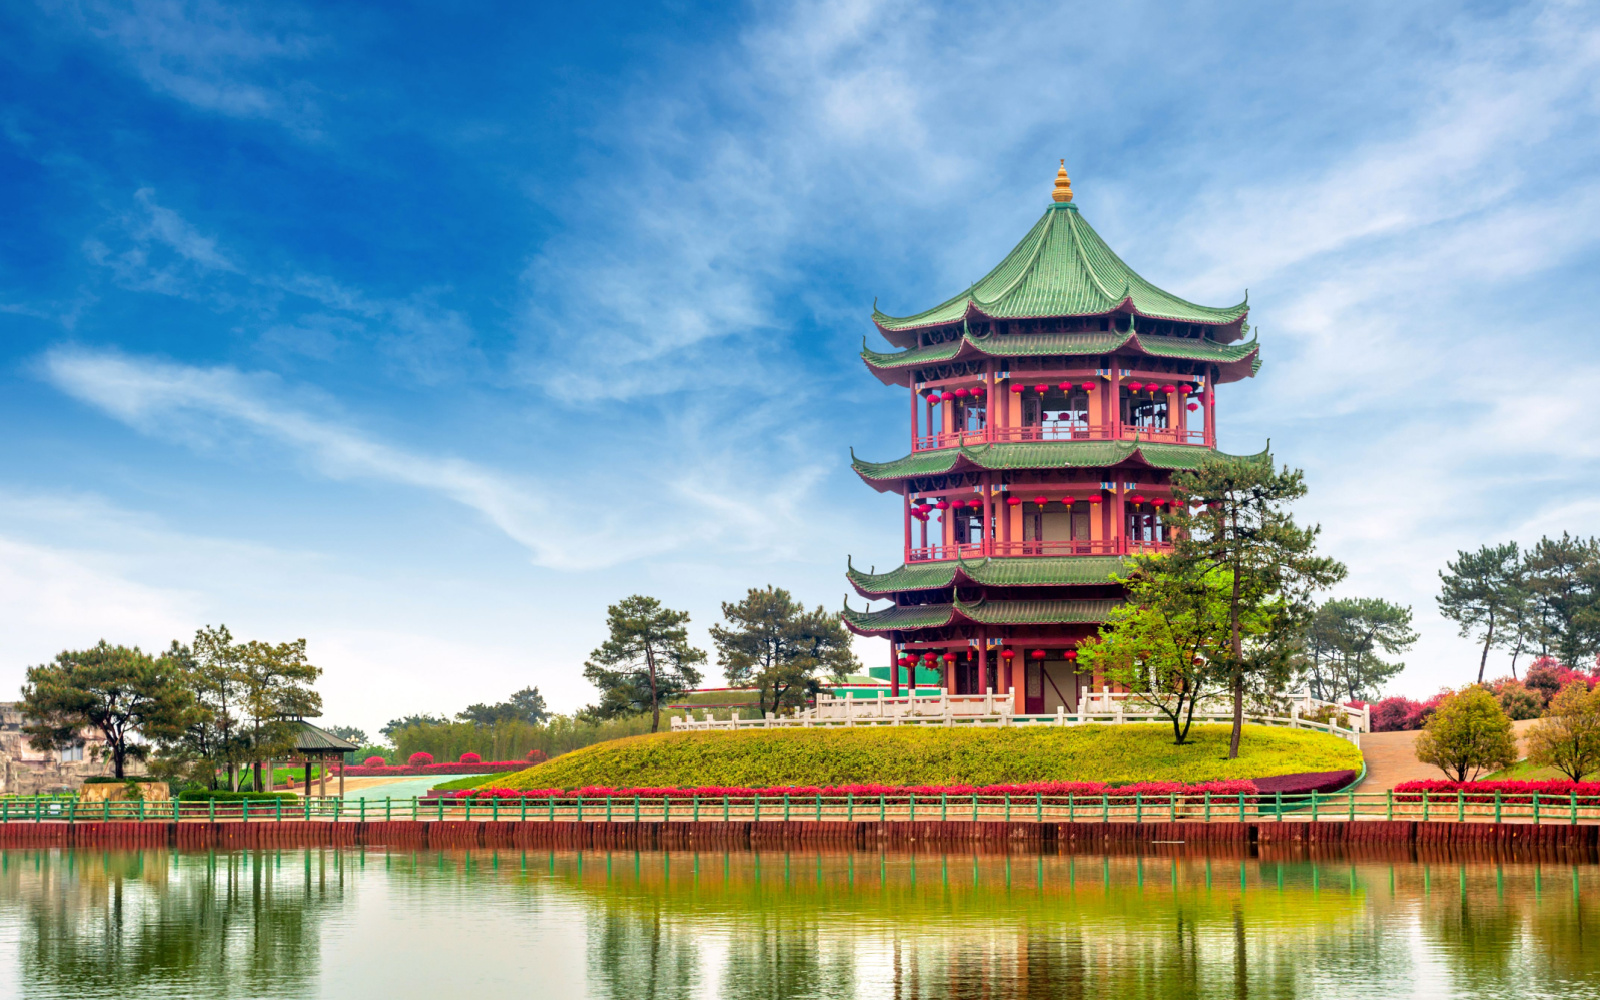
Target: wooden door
column 1033, row 689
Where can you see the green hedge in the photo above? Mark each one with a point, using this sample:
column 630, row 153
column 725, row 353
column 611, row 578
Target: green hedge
column 929, row 755
column 512, row 740
column 206, row 794
column 473, row 781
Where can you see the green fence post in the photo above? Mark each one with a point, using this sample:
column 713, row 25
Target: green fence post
column 819, row 807
column 280, row 809
column 1138, row 807
column 1497, row 805
column 881, row 807
column 1208, row 807
column 363, row 816
column 1461, row 806
column 636, row 807
column 724, row 808
column 524, row 808
column 1313, row 805
column 1105, row 808
column 1278, row 805
column 850, row 807
column 786, row 807
column 1574, row 797
column 141, row 808
column 757, row 817
column 105, row 811
column 974, row 807
column 1072, row 808
column 1038, row 807
column 944, row 806
column 1172, row 807
column 552, row 800
column 1351, row 802
column 1389, row 805
column 580, row 808
column 1536, row 808
column 696, row 801
column 211, row 813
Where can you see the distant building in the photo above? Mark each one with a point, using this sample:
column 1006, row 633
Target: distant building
column 26, row 771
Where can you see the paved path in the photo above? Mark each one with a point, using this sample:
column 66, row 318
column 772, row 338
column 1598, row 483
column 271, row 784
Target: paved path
column 1392, row 758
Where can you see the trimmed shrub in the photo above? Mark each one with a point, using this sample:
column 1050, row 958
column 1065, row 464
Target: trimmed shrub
column 1517, row 701
column 1304, row 784
column 939, row 756
column 1516, row 792
column 219, row 795
column 471, row 758
column 375, row 761
column 537, row 756
column 454, row 767
column 421, row 757
column 1053, row 792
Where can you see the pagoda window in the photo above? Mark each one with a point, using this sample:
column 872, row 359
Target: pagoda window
column 1140, row 410
column 970, row 414
column 1056, row 416
column 1145, row 525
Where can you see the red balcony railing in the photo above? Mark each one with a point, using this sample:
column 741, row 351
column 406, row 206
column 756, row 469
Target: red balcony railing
column 1086, row 547
column 1057, row 430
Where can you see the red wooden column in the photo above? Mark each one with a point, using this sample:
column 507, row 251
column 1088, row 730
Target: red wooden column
column 983, row 660
column 1114, row 403
column 913, row 386
column 1019, row 683
column 1119, row 513
column 894, row 669
column 1211, row 409
column 991, row 416
column 907, row 496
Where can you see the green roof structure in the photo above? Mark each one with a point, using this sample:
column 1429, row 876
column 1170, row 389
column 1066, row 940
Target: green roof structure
column 983, row 612
column 1033, row 455
column 1233, row 361
column 1062, row 268
column 1031, row 571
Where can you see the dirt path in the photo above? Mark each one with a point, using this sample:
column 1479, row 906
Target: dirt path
column 1392, row 758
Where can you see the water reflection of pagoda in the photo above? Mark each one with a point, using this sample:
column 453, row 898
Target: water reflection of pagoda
column 1050, row 404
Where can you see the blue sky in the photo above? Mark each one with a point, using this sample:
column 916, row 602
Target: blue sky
column 425, row 332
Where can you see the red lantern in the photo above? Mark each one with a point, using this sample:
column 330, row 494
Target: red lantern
column 1014, row 501
column 1006, row 654
column 1158, row 502
column 947, row 396
column 1193, row 407
column 1136, row 498
column 1072, row 654
column 1041, row 389
column 1183, row 387
column 928, row 657
column 1095, row 498
column 1135, row 386
column 1169, row 388
column 1041, row 501
column 961, row 393
column 1088, row 387
column 949, row 657
column 1064, row 386
column 1019, row 388
column 1038, row 654
column 943, row 505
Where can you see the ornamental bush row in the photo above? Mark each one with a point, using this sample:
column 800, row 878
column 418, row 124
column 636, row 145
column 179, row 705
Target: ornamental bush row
column 1511, row 792
column 397, row 770
column 1053, row 791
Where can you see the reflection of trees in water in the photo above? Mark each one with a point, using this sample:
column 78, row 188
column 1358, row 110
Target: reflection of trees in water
column 784, row 955
column 635, row 956
column 118, row 923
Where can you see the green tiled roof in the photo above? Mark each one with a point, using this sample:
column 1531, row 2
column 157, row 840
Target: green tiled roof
column 1031, row 571
column 1037, row 612
column 1064, row 344
column 923, row 576
column 1037, row 455
column 312, row 738
column 1062, row 268
column 898, row 618
column 1043, row 571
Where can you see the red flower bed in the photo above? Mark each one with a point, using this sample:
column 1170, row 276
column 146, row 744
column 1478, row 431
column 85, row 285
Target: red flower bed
column 1513, row 792
column 1305, row 784
column 1053, row 791
column 396, row 770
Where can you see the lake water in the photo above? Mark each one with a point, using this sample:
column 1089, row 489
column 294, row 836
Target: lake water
column 644, row 925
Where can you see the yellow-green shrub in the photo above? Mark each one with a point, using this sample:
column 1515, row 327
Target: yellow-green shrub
column 928, row 755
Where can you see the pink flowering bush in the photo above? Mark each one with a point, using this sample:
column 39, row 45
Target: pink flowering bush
column 1512, row 792
column 1054, row 792
column 471, row 758
column 537, row 756
column 374, row 761
column 453, row 767
column 420, row 757
column 1397, row 713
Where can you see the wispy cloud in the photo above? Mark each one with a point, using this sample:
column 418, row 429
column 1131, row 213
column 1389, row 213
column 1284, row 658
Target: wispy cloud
column 217, row 57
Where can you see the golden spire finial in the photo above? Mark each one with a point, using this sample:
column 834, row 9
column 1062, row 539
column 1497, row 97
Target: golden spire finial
column 1063, row 191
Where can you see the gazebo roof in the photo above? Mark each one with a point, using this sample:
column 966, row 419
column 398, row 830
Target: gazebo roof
column 311, row 739
column 1062, row 268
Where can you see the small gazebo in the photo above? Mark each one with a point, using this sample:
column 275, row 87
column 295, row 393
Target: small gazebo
column 314, row 743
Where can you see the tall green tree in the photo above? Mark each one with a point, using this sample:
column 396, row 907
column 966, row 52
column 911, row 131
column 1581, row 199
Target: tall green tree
column 1563, row 579
column 646, row 660
column 118, row 691
column 1164, row 641
column 526, row 705
column 772, row 643
column 1485, row 593
column 276, row 685
column 1343, row 641
column 1244, row 527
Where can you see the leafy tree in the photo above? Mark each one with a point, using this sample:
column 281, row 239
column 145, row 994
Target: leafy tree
column 355, row 734
column 526, row 705
column 394, row 726
column 1342, row 643
column 646, row 660
column 1163, row 642
column 118, row 691
column 1468, row 733
column 1568, row 737
column 1485, row 591
column 1517, row 701
column 1564, row 583
column 778, row 647
column 275, row 681
column 1244, row 529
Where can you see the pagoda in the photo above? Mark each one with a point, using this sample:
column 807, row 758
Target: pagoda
column 1050, row 404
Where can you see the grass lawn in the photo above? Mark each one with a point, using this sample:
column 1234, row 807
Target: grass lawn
column 928, row 755
column 1522, row 770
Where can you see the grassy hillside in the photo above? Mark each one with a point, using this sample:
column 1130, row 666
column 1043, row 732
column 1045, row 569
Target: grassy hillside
column 918, row 755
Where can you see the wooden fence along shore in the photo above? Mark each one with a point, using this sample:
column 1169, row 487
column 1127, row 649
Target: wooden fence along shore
column 643, row 821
